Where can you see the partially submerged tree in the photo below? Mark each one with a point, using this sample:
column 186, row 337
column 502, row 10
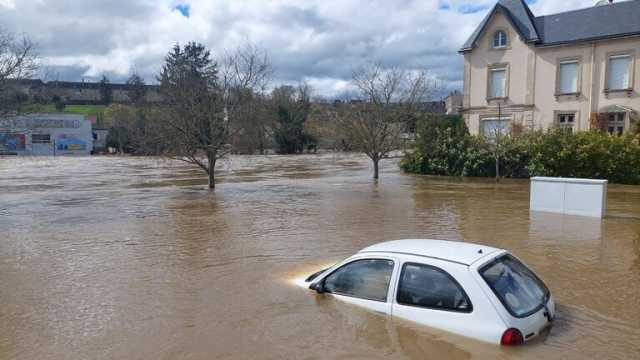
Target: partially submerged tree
column 120, row 120
column 202, row 104
column 292, row 107
column 387, row 99
column 195, row 123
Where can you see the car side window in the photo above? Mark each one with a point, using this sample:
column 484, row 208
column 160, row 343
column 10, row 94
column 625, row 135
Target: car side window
column 430, row 287
column 367, row 279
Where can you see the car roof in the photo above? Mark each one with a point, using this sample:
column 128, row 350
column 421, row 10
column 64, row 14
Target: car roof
column 455, row 251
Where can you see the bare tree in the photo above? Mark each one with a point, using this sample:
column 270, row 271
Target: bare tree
column 247, row 68
column 245, row 75
column 18, row 60
column 387, row 98
column 203, row 101
column 136, row 89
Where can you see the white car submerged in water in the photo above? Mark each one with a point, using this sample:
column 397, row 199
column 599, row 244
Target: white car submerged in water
column 468, row 289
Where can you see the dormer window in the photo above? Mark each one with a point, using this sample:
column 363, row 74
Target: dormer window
column 499, row 39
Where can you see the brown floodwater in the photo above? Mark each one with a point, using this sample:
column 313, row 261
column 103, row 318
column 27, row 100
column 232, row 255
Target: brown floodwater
column 130, row 258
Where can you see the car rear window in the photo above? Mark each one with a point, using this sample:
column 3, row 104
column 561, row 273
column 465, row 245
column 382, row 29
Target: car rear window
column 518, row 288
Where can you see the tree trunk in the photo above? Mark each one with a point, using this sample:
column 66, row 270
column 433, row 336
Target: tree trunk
column 211, row 157
column 497, row 169
column 376, row 169
column 120, row 147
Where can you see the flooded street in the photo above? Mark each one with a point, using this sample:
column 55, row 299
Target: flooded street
column 130, row 258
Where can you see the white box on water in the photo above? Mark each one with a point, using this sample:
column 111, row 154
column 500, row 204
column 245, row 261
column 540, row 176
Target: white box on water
column 582, row 197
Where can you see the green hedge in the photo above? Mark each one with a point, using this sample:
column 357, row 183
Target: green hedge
column 444, row 147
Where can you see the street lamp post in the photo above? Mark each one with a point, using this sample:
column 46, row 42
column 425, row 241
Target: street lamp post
column 497, row 141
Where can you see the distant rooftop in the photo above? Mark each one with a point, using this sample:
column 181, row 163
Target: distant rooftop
column 73, row 84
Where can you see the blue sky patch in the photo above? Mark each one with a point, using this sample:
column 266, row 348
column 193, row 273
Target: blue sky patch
column 184, row 9
column 472, row 8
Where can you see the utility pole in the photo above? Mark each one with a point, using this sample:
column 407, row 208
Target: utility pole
column 497, row 142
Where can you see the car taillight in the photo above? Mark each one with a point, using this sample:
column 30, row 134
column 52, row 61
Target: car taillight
column 512, row 337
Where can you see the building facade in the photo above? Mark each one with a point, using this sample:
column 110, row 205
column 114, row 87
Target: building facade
column 577, row 69
column 453, row 103
column 46, row 135
column 82, row 92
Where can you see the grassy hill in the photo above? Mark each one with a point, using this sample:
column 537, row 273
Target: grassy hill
column 86, row 110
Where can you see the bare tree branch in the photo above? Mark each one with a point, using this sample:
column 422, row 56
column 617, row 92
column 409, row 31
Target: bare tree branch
column 206, row 102
column 388, row 97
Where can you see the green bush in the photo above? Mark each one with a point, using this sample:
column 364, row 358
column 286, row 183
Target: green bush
column 444, row 147
column 444, row 140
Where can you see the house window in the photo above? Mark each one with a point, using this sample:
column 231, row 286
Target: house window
column 493, row 127
column 498, row 83
column 619, row 75
column 568, row 77
column 566, row 121
column 615, row 123
column 499, row 39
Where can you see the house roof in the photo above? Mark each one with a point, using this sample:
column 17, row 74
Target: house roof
column 595, row 23
column 517, row 12
column 454, row 251
column 433, row 107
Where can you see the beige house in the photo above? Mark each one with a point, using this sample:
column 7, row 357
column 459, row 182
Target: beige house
column 577, row 69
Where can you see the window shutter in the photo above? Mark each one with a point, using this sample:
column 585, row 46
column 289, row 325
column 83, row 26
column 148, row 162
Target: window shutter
column 619, row 72
column 568, row 77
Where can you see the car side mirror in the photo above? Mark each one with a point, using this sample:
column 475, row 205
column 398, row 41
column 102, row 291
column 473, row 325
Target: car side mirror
column 318, row 287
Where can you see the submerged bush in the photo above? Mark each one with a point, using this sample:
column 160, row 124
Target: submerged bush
column 445, row 147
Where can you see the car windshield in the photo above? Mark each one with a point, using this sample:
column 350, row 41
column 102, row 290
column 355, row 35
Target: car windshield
column 517, row 287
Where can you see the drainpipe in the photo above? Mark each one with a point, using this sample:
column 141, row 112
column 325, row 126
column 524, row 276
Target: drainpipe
column 593, row 88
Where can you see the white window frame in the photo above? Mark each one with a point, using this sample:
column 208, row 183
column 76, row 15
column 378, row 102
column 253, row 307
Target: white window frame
column 502, row 40
column 559, row 89
column 619, row 121
column 566, row 124
column 630, row 74
column 490, row 71
column 504, row 131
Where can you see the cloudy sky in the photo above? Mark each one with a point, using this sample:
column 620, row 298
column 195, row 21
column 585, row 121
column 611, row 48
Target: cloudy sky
column 318, row 41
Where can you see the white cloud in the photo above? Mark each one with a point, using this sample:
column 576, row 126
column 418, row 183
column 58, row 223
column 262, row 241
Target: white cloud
column 319, row 41
column 9, row 4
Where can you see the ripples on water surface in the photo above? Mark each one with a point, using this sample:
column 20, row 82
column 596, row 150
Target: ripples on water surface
column 107, row 258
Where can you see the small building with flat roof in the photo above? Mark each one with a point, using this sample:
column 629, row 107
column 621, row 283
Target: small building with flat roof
column 46, row 135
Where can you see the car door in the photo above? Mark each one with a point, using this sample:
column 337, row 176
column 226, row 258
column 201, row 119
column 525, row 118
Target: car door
column 430, row 295
column 365, row 282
